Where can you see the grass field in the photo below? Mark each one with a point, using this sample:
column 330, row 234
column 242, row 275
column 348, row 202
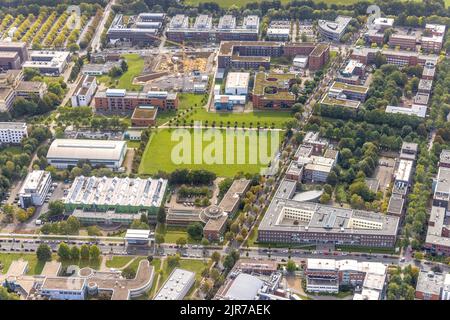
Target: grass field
column 172, row 234
column 34, row 266
column 125, row 81
column 265, row 118
column 187, row 100
column 161, row 152
column 118, row 261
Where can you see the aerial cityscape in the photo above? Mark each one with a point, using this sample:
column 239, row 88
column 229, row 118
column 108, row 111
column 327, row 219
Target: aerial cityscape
column 224, row 150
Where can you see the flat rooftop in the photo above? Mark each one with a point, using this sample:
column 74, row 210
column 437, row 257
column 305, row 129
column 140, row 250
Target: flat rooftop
column 180, row 280
column 349, row 87
column 116, row 191
column 279, row 81
column 145, row 113
column 234, row 194
column 437, row 221
column 327, row 100
column 430, row 282
column 13, row 126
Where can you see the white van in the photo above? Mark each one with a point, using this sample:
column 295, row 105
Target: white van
column 38, row 222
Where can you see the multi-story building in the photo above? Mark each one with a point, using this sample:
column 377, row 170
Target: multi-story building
column 444, row 158
column 429, row 285
column 327, row 275
column 12, row 55
column 399, row 58
column 434, row 38
column 438, row 233
column 334, row 30
column 279, row 30
column 252, row 55
column 382, row 24
column 64, row 288
column 215, row 217
column 403, row 41
column 123, row 100
column 180, row 30
column 144, row 28
column 290, row 221
column 35, row 188
column 12, row 132
column 51, row 63
column 408, row 151
column 272, row 90
column 85, row 90
column 413, row 110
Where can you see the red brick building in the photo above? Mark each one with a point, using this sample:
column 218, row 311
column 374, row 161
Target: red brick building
column 120, row 100
column 144, row 116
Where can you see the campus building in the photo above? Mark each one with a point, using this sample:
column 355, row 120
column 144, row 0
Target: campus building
column 12, row 86
column 403, row 41
column 399, row 58
column 123, row 100
column 144, row 116
column 12, row 132
column 177, row 285
column 144, row 28
column 215, row 217
column 12, row 55
column 252, row 55
column 334, row 30
column 64, row 153
column 114, row 200
column 438, row 233
column 327, row 275
column 51, row 63
column 84, row 91
column 272, row 90
column 237, row 83
column 180, row 30
column 430, row 286
column 279, row 30
column 35, row 188
column 290, row 221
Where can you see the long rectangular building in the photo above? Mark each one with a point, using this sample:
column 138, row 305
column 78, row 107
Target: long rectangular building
column 121, row 195
column 290, row 221
column 202, row 29
column 123, row 100
column 144, row 28
column 64, row 153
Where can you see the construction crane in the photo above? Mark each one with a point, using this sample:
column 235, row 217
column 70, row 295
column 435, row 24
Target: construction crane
column 183, row 47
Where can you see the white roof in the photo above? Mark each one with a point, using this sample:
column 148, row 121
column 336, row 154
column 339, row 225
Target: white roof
column 237, row 80
column 177, row 285
column 86, row 149
column 137, row 234
column 403, row 173
column 321, row 264
column 244, row 287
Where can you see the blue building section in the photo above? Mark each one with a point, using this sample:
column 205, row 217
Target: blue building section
column 227, row 102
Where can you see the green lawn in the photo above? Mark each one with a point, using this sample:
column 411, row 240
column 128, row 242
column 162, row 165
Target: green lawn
column 172, row 234
column 187, row 100
column 265, row 118
column 118, row 261
column 34, row 266
column 164, row 116
column 133, row 144
column 125, row 81
column 164, row 154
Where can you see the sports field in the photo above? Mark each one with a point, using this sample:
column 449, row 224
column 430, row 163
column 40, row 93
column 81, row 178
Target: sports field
column 223, row 152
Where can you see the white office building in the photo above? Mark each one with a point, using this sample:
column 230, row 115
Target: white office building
column 52, row 63
column 177, row 286
column 64, row 288
column 35, row 188
column 13, row 132
column 237, row 83
column 84, row 92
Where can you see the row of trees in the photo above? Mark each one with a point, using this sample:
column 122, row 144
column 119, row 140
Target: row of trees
column 84, row 43
column 66, row 253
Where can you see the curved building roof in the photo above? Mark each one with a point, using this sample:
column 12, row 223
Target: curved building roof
column 86, row 149
column 308, row 195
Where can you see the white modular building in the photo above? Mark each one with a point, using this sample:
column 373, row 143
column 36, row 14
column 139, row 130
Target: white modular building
column 13, row 132
column 67, row 152
column 35, row 188
column 237, row 83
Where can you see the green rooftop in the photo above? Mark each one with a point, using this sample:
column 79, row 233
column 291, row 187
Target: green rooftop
column 279, row 82
column 327, row 100
column 349, row 87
